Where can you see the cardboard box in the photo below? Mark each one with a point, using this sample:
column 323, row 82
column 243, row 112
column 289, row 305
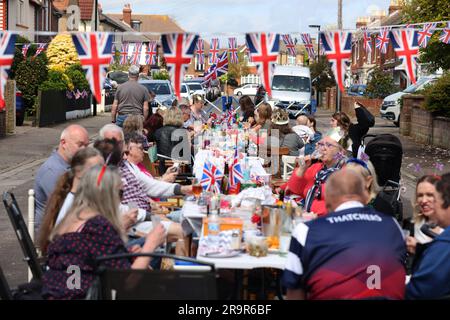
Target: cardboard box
column 225, row 224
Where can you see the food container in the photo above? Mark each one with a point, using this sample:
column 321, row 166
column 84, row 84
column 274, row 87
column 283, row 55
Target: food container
column 257, row 246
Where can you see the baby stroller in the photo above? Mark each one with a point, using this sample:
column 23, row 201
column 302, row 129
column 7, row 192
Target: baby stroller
column 385, row 151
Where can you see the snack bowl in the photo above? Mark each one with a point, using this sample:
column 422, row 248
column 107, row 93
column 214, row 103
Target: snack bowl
column 257, row 246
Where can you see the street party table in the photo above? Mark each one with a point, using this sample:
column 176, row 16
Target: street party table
column 245, row 261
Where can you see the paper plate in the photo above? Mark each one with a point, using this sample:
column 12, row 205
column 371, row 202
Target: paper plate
column 222, row 254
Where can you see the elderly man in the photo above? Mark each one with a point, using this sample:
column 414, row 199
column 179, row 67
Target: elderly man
column 131, row 98
column 72, row 139
column 354, row 252
column 431, row 279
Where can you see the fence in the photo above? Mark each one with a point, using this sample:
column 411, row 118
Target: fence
column 250, row 78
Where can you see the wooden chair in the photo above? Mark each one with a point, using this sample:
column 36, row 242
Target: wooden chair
column 274, row 164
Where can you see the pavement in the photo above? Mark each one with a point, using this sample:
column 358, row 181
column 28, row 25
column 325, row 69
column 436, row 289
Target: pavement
column 23, row 153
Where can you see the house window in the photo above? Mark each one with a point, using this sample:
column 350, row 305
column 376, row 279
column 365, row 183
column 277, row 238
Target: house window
column 198, row 66
column 20, row 12
column 292, row 60
column 136, row 25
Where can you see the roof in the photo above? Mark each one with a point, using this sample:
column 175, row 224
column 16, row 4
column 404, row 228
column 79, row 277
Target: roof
column 86, row 7
column 124, row 27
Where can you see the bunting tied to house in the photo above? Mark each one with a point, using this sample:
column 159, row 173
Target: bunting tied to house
column 7, row 43
column 406, row 46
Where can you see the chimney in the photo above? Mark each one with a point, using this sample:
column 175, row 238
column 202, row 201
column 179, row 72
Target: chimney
column 126, row 14
column 100, row 9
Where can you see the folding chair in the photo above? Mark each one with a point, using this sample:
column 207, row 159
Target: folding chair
column 288, row 166
column 20, row 227
column 194, row 283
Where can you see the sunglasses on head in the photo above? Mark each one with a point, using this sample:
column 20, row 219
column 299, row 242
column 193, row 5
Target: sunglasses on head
column 360, row 162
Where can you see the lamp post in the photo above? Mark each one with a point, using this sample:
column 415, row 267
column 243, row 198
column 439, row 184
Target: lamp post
column 317, row 26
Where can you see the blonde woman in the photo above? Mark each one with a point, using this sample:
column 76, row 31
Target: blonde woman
column 92, row 228
column 263, row 116
column 135, row 123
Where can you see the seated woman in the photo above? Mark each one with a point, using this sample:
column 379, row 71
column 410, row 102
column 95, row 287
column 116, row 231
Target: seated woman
column 263, row 115
column 91, row 229
column 287, row 137
column 311, row 145
column 248, row 109
column 153, row 123
column 308, row 180
column 135, row 124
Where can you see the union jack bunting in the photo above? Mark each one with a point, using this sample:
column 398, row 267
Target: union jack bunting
column 290, row 46
column 200, row 51
column 136, row 55
column 211, row 177
column 94, row 52
column 445, row 36
column 216, row 70
column 367, row 41
column 338, row 49
column 7, row 43
column 178, row 51
column 40, row 49
column 214, row 51
column 151, row 53
column 426, row 33
column 25, row 48
column 233, row 50
column 235, row 170
column 264, row 49
column 113, row 52
column 382, row 41
column 406, row 46
column 306, row 38
column 124, row 54
column 247, row 53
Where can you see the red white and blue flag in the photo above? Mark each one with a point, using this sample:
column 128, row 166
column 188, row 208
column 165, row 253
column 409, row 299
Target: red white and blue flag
column 382, row 41
column 94, row 52
column 25, row 48
column 338, row 49
column 445, row 36
column 426, row 33
column 236, row 175
column 7, row 43
column 113, row 52
column 136, row 55
column 178, row 51
column 290, row 45
column 40, row 49
column 406, row 46
column 264, row 49
column 216, row 70
column 306, row 38
column 200, row 51
column 233, row 50
column 150, row 54
column 367, row 37
column 124, row 54
column 211, row 177
column 214, row 51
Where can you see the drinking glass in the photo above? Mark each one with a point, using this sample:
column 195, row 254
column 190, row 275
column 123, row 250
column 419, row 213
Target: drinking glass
column 196, row 188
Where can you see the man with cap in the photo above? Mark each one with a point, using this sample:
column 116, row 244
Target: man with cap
column 131, row 98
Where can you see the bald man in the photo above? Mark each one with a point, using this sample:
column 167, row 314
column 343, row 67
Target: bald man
column 72, row 139
column 354, row 252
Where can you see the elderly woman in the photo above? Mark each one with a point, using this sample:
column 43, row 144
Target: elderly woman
column 308, row 180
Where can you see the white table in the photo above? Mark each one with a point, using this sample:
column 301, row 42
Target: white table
column 246, row 262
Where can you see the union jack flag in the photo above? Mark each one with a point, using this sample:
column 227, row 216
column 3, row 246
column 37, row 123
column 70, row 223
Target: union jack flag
column 382, row 40
column 178, row 51
column 7, row 43
column 200, row 51
column 124, row 54
column 445, row 36
column 150, row 54
column 232, row 49
column 264, row 52
column 40, row 49
column 25, row 48
column 406, row 46
column 367, row 41
column 235, row 170
column 211, row 177
column 426, row 33
column 94, row 52
column 290, row 46
column 113, row 52
column 338, row 49
column 216, row 70
column 214, row 51
column 136, row 55
column 306, row 38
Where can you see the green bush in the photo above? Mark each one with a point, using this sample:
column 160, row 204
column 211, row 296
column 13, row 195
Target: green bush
column 56, row 81
column 77, row 76
column 162, row 75
column 437, row 96
column 380, row 85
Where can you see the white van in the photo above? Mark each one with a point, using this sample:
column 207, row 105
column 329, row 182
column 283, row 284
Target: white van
column 291, row 89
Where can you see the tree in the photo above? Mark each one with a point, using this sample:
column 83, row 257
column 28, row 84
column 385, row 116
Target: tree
column 380, row 85
column 61, row 53
column 416, row 11
column 322, row 74
column 238, row 70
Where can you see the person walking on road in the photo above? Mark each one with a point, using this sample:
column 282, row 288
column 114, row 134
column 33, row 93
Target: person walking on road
column 131, row 98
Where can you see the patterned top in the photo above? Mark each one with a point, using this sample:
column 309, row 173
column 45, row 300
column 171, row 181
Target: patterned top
column 96, row 238
column 132, row 187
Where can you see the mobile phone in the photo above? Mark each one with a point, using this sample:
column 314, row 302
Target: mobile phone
column 175, row 167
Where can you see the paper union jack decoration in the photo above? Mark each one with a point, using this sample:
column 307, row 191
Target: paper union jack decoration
column 338, row 49
column 40, row 49
column 426, row 33
column 200, row 51
column 214, row 51
column 94, row 52
column 382, row 41
column 290, row 46
column 264, row 49
column 113, row 52
column 232, row 49
column 217, row 70
column 136, row 55
column 7, row 43
column 178, row 51
column 211, row 177
column 445, row 36
column 150, row 54
column 406, row 47
column 124, row 54
column 25, row 48
column 306, row 38
column 367, row 41
column 235, row 170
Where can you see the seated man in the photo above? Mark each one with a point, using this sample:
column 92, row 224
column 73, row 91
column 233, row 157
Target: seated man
column 431, row 280
column 352, row 253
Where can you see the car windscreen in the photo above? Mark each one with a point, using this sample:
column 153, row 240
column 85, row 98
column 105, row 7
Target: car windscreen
column 119, row 77
column 194, row 86
column 412, row 88
column 158, row 88
column 291, row 83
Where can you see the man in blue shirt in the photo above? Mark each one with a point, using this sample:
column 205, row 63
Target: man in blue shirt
column 431, row 280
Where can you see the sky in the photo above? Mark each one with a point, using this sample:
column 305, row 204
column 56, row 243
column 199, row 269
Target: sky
column 241, row 16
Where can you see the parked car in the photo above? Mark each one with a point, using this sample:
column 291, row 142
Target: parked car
column 390, row 109
column 118, row 76
column 188, row 89
column 248, row 90
column 20, row 108
column 163, row 89
column 357, row 90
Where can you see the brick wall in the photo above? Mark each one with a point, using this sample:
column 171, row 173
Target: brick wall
column 330, row 99
column 441, row 132
column 373, row 105
column 421, row 125
column 10, row 100
column 409, row 102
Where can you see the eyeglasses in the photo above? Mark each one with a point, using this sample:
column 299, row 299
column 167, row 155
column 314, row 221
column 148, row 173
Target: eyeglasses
column 326, row 144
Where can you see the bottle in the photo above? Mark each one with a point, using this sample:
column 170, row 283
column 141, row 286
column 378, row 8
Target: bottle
column 246, row 173
column 214, row 226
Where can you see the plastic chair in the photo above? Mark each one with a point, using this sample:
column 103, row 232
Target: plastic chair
column 288, row 166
